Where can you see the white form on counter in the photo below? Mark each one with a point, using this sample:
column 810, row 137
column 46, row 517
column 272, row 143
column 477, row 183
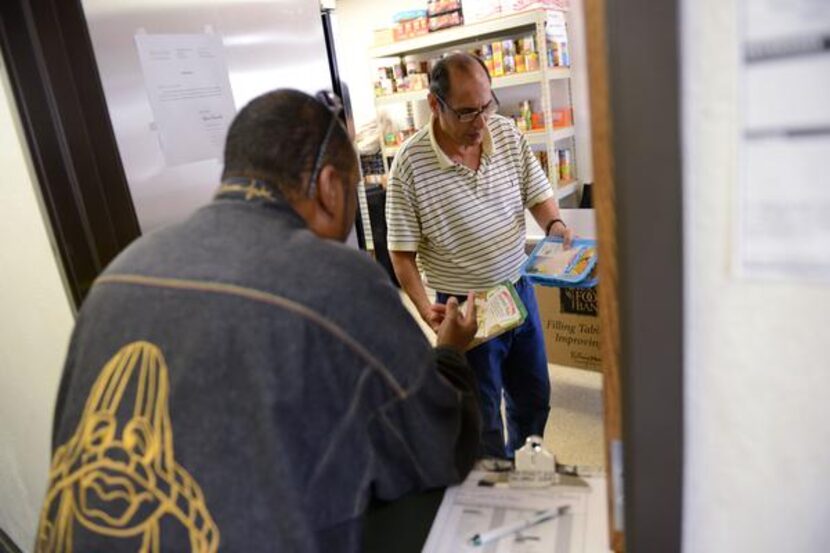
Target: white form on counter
column 469, row 509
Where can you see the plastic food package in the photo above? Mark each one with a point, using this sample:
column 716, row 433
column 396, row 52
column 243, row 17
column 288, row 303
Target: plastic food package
column 498, row 310
column 445, row 20
column 437, row 7
column 551, row 265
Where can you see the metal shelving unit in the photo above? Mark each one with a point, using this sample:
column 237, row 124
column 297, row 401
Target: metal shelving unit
column 502, row 27
column 517, row 79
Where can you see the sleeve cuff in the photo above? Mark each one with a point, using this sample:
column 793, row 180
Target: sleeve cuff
column 402, row 246
column 539, row 198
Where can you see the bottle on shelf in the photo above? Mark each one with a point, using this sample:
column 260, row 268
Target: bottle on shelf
column 564, row 165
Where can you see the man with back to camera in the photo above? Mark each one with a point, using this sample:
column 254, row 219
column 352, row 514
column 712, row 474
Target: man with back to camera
column 242, row 379
column 456, row 199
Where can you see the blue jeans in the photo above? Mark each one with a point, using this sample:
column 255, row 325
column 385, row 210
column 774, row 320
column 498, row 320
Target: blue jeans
column 516, row 363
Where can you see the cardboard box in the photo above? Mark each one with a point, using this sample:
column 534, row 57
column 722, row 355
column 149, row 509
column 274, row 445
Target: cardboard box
column 570, row 322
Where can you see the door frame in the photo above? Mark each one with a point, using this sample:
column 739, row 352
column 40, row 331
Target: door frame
column 633, row 53
column 634, row 74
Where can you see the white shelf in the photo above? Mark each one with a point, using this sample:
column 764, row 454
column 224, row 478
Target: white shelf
column 563, row 133
column 565, row 189
column 536, row 138
column 556, row 73
column 413, row 96
column 540, row 137
column 462, row 33
column 517, row 79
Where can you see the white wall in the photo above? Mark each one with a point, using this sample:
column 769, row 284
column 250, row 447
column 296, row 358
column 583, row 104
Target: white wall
column 34, row 332
column 757, row 376
column 580, row 99
column 356, row 20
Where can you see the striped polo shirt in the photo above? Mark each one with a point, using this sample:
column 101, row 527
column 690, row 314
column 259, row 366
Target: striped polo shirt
column 467, row 227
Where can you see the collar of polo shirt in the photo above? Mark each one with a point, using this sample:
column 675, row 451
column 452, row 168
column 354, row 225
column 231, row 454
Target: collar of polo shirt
column 444, row 160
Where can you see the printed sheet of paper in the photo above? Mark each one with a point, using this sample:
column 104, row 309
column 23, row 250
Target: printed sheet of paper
column 187, row 82
column 783, row 222
column 468, row 509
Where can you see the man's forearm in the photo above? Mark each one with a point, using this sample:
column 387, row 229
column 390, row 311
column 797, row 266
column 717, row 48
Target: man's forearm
column 407, row 272
column 544, row 212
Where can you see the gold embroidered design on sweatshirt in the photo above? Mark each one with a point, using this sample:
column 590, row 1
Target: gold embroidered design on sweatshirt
column 123, row 484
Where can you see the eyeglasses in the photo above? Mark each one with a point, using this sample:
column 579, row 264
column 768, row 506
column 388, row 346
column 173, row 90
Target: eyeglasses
column 469, row 115
column 330, row 100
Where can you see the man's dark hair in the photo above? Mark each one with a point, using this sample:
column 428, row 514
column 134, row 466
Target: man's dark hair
column 439, row 78
column 276, row 136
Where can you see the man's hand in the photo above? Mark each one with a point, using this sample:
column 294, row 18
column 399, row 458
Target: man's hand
column 559, row 229
column 567, row 238
column 458, row 329
column 434, row 315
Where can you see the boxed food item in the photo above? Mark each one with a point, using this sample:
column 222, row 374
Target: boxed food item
column 498, row 59
column 550, row 264
column 416, row 67
column 521, row 65
column 556, row 31
column 445, row 20
column 488, row 63
column 437, row 7
column 532, row 61
column 527, row 44
column 418, row 81
column 411, row 28
column 498, row 310
column 562, row 118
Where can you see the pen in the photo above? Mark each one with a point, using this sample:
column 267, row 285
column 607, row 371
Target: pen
column 519, row 525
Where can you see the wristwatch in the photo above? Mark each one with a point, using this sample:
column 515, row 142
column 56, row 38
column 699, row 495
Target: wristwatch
column 553, row 222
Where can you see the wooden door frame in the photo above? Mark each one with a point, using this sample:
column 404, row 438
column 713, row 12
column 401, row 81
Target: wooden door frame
column 633, row 52
column 634, row 75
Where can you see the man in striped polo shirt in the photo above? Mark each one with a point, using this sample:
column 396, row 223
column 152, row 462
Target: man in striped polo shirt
column 455, row 207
